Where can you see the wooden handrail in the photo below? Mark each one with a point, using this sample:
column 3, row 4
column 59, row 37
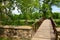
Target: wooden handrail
column 54, row 27
column 38, row 23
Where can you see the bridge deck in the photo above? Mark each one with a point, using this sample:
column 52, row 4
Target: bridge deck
column 45, row 31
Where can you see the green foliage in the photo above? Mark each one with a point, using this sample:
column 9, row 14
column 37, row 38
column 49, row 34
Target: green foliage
column 36, row 15
column 57, row 21
column 30, row 10
column 56, row 15
column 24, row 5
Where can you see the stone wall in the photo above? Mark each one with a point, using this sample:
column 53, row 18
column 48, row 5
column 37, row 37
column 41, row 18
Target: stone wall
column 16, row 33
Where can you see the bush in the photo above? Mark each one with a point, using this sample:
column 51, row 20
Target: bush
column 57, row 21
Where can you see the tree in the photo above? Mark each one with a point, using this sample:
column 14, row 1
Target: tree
column 46, row 7
column 6, row 7
column 27, row 6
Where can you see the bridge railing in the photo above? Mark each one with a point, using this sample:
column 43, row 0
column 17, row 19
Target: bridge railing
column 54, row 28
column 37, row 24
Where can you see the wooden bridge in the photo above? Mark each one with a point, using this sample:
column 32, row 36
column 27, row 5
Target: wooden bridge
column 46, row 31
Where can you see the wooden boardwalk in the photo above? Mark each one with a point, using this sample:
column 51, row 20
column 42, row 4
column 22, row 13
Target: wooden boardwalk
column 45, row 31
